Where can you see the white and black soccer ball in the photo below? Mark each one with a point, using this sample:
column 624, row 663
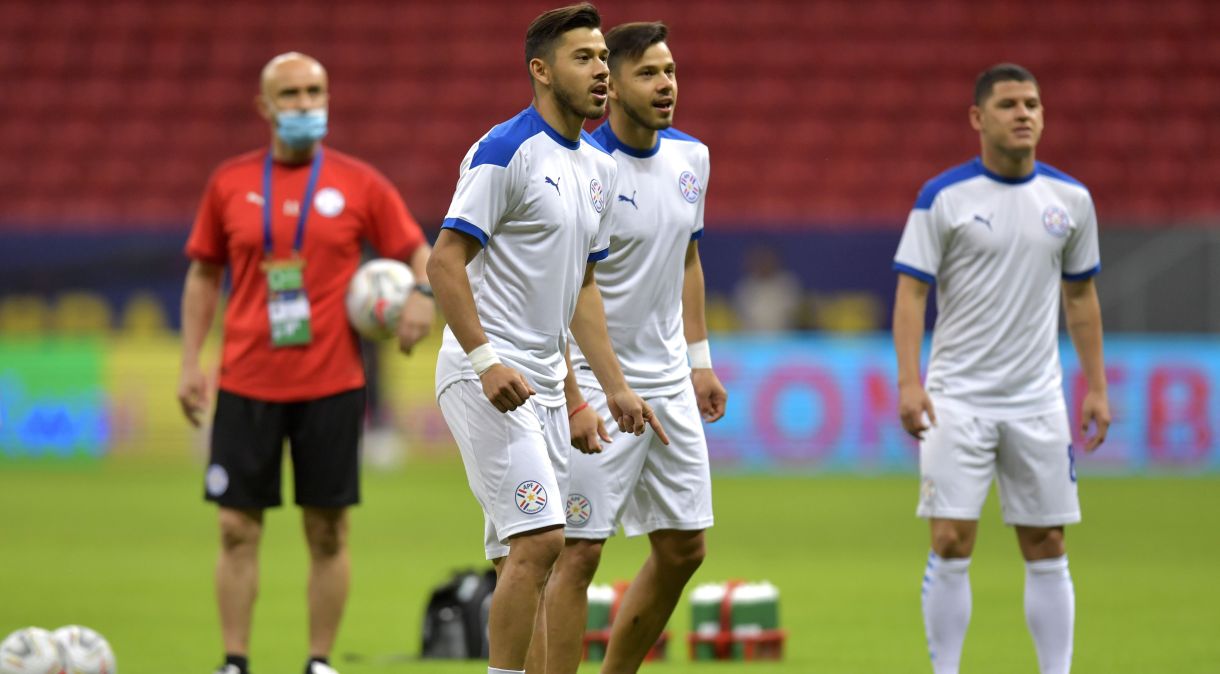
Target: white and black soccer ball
column 376, row 295
column 30, row 651
column 84, row 651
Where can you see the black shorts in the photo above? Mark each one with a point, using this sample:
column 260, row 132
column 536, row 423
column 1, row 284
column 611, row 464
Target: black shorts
column 247, row 456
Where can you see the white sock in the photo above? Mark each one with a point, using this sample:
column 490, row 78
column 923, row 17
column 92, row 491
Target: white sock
column 1050, row 612
column 493, row 670
column 946, row 610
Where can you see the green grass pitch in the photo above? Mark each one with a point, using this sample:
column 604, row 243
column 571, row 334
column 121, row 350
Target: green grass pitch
column 127, row 547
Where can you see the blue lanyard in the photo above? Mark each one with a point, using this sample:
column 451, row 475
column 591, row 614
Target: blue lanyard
column 306, row 204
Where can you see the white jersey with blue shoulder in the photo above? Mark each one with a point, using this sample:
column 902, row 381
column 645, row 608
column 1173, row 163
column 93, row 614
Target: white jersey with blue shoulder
column 658, row 212
column 997, row 248
column 539, row 204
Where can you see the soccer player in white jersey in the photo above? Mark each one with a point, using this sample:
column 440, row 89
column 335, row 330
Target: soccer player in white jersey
column 1003, row 237
column 513, row 266
column 652, row 285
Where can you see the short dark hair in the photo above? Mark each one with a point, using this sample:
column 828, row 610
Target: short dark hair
column 545, row 31
column 1001, row 72
column 629, row 41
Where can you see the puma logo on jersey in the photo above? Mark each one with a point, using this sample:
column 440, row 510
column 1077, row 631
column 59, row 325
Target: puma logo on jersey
column 254, row 198
column 631, row 200
column 554, row 183
column 986, row 221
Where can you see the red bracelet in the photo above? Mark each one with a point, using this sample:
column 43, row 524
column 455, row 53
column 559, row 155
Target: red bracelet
column 573, row 412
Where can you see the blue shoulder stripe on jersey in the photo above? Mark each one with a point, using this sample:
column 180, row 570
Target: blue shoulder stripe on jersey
column 1052, row 172
column 605, row 135
column 593, row 142
column 597, row 255
column 465, row 228
column 504, row 139
column 674, row 134
column 1081, row 276
column 957, row 174
column 695, row 236
column 915, row 273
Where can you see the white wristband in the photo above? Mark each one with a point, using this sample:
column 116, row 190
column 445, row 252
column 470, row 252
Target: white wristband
column 482, row 358
column 700, row 355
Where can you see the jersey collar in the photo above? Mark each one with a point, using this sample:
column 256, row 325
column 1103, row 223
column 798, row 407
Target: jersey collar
column 1005, row 179
column 555, row 135
column 613, row 143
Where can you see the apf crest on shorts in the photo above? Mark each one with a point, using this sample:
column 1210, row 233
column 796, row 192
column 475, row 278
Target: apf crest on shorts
column 217, row 480
column 927, row 490
column 690, row 187
column 579, row 510
column 597, row 195
column 1056, row 221
column 530, row 497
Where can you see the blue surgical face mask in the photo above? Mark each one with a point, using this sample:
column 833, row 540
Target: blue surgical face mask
column 299, row 128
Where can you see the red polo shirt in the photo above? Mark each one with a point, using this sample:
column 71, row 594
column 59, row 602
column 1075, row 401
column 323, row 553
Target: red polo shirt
column 352, row 203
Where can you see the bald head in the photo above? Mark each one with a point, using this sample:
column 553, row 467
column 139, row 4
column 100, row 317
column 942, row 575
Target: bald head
column 290, row 66
column 292, row 82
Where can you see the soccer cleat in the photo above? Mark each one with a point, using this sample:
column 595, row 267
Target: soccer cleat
column 229, row 669
column 320, row 668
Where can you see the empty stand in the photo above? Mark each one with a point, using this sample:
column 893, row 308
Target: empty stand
column 816, row 112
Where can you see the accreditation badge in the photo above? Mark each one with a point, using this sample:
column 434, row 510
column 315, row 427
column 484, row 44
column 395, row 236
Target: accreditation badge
column 287, row 304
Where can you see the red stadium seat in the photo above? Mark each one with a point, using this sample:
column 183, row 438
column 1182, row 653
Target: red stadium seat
column 814, row 110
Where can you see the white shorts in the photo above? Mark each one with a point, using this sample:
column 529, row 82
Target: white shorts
column 1032, row 457
column 516, row 463
column 640, row 482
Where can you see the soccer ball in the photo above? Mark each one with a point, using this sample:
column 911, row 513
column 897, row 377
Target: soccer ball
column 376, row 295
column 30, row 651
column 84, row 651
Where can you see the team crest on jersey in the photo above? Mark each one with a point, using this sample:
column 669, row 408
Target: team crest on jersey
column 530, row 497
column 690, row 187
column 597, row 195
column 1056, row 221
column 329, row 202
column 579, row 510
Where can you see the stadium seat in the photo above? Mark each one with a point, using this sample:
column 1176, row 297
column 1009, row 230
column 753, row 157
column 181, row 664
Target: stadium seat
column 814, row 111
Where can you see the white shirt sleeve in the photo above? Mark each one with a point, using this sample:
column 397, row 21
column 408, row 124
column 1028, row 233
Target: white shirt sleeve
column 484, row 194
column 1081, row 255
column 599, row 249
column 923, row 243
column 696, row 231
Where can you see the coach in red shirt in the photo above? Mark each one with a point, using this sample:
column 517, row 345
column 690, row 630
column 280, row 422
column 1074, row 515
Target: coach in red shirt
column 288, row 222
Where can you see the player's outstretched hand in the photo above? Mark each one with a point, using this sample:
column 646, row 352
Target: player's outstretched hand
column 709, row 393
column 193, row 393
column 913, row 404
column 506, row 388
column 632, row 414
column 588, row 430
column 415, row 322
column 1095, row 409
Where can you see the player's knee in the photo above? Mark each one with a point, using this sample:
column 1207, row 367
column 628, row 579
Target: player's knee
column 1041, row 543
column 581, row 558
column 533, row 554
column 326, row 535
column 682, row 552
column 325, row 542
column 239, row 530
column 949, row 542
